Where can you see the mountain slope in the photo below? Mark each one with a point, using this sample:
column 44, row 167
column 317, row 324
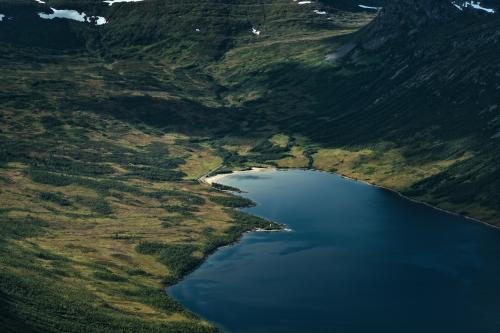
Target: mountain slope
column 420, row 101
column 105, row 129
column 443, row 87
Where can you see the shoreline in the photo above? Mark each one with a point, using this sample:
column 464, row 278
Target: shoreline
column 217, row 177
column 210, row 180
column 470, row 218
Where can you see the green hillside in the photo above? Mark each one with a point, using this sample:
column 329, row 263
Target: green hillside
column 105, row 130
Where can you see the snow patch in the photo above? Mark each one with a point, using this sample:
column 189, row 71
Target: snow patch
column 255, row 32
column 319, row 12
column 111, row 2
column 99, row 20
column 71, row 14
column 369, row 7
column 472, row 4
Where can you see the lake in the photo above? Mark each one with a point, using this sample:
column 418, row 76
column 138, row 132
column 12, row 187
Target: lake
column 359, row 259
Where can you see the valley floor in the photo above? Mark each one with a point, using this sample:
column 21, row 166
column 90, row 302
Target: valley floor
column 101, row 151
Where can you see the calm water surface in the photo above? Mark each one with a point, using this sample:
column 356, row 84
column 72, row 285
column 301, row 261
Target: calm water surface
column 359, row 259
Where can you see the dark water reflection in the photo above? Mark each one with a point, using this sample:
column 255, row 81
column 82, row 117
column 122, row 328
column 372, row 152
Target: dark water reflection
column 360, row 259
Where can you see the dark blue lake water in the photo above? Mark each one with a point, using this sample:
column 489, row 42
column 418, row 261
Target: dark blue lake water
column 359, row 259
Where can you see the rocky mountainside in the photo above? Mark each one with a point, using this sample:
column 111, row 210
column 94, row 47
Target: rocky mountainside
column 407, row 17
column 441, row 61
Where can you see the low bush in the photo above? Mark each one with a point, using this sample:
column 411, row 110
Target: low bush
column 57, row 198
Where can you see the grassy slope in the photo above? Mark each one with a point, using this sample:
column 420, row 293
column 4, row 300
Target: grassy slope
column 101, row 142
column 79, row 206
column 99, row 157
column 80, row 201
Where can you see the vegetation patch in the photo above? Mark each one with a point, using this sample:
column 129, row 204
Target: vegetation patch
column 154, row 173
column 57, row 198
column 232, row 201
column 223, row 187
column 107, row 275
column 98, row 205
column 178, row 257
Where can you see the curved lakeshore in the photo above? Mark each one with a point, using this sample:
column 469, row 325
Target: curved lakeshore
column 383, row 256
column 215, row 179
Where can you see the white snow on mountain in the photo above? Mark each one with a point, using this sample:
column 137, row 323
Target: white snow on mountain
column 460, row 5
column 71, row 14
column 111, row 2
column 369, row 7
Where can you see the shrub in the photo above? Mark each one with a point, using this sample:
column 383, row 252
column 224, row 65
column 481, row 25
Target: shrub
column 57, row 198
column 106, row 275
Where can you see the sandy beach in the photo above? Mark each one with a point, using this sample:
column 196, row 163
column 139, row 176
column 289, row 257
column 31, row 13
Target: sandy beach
column 215, row 179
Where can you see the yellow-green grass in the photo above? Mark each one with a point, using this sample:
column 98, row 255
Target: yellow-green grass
column 280, row 140
column 199, row 162
column 86, row 240
column 94, row 232
column 296, row 160
column 388, row 168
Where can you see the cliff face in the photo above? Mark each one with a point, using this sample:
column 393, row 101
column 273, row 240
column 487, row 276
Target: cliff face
column 406, row 18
